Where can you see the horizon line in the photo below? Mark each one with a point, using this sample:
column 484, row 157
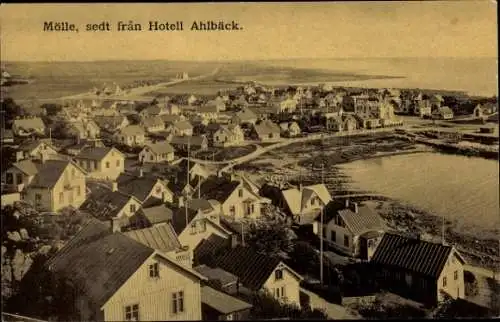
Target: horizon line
column 242, row 60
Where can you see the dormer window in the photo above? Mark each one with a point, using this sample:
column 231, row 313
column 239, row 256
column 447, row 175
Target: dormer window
column 240, row 193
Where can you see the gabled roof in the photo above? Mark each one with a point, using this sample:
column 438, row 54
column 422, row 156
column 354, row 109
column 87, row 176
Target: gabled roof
column 246, row 115
column 96, row 153
column 29, row 146
column 183, row 125
column 152, row 122
column 137, row 186
column 412, row 254
column 216, row 273
column 266, row 127
column 105, row 204
column 179, row 219
column 109, row 122
column 157, row 214
column 444, row 110
column 217, row 188
column 160, row 147
column 209, row 248
column 364, row 220
column 160, row 237
column 130, row 130
column 296, row 199
column 191, row 140
column 252, row 268
column 168, row 118
column 208, row 108
column 26, row 166
column 49, row 173
column 222, row 302
column 99, row 262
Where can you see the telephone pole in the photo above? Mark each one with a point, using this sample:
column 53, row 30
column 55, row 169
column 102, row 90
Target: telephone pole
column 187, row 182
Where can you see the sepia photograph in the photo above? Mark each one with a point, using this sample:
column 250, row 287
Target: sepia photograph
column 249, row 161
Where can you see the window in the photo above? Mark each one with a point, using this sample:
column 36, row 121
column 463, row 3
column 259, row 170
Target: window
column 95, row 165
column 132, row 208
column 278, row 274
column 203, row 226
column 232, row 211
column 73, row 173
column 193, row 228
column 107, row 165
column 230, row 317
column 313, row 201
column 240, row 193
column 371, row 243
column 333, row 236
column 132, row 312
column 151, row 158
column 252, row 208
column 154, row 270
column 61, row 197
column 346, row 241
column 78, row 191
column 455, row 275
column 9, row 177
column 117, row 163
column 19, row 178
column 178, row 302
column 444, row 281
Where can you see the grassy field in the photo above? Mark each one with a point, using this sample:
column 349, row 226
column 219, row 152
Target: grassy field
column 56, row 79
column 196, row 87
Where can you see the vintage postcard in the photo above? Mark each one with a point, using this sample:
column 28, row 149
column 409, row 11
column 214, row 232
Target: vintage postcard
column 249, row 161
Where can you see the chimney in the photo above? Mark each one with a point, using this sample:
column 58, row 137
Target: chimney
column 141, row 173
column 114, row 186
column 115, row 225
column 180, row 202
column 355, row 207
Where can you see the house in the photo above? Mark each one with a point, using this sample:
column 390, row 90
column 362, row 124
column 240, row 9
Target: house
column 241, row 102
column 208, row 112
column 283, row 105
column 305, row 203
column 153, row 124
column 443, row 113
column 182, row 143
column 485, row 110
column 290, row 129
column 162, row 238
column 170, row 119
column 144, row 187
column 341, row 123
column 83, row 130
column 266, row 131
column 367, row 121
column 201, row 223
column 121, row 279
column 131, row 135
column 35, row 150
column 244, row 116
column 192, row 100
column 182, row 128
column 350, row 228
column 217, row 305
column 158, row 110
column 236, row 198
column 177, row 175
column 152, row 215
column 418, row 269
column 111, row 124
column 28, row 126
column 259, row 272
column 101, row 162
column 423, row 108
column 209, row 248
column 49, row 185
column 112, row 206
column 157, row 152
column 228, row 135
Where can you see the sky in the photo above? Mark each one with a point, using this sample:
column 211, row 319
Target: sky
column 270, row 31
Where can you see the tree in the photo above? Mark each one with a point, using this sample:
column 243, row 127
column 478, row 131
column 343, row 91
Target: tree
column 9, row 110
column 272, row 238
column 51, row 108
column 265, row 306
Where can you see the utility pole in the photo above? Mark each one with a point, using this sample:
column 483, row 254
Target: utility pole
column 321, row 236
column 187, row 183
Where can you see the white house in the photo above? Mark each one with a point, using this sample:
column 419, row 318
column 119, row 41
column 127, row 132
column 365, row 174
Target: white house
column 136, row 282
column 157, row 152
column 131, row 135
column 228, row 135
column 101, row 162
column 304, row 203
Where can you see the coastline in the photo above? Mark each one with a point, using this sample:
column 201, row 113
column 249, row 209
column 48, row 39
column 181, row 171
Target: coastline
column 400, row 215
